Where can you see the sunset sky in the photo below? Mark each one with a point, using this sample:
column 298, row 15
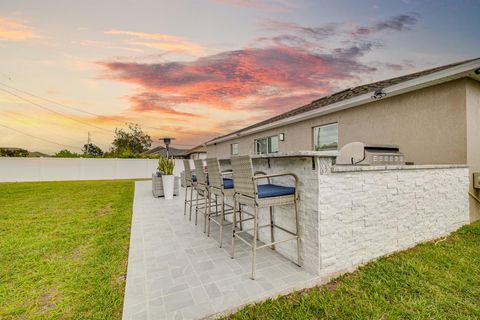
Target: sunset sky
column 202, row 68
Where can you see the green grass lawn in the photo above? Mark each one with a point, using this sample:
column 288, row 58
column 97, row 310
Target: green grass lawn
column 64, row 249
column 437, row 280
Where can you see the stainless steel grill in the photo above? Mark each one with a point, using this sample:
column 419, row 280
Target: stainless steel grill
column 359, row 153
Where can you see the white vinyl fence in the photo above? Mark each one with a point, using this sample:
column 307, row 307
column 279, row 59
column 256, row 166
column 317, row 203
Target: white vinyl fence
column 61, row 169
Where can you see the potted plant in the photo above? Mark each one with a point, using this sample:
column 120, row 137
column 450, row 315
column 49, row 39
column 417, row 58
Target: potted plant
column 166, row 166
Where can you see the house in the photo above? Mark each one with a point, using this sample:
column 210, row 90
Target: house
column 172, row 152
column 433, row 115
column 198, row 152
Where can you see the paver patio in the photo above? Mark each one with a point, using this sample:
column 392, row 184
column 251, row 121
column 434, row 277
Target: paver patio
column 176, row 272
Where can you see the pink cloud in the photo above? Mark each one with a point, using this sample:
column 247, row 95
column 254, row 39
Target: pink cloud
column 223, row 79
column 160, row 41
column 15, row 30
column 149, row 101
column 275, row 74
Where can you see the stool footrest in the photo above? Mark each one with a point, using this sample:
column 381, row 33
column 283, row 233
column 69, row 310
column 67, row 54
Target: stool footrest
column 264, row 245
column 219, row 222
column 266, row 226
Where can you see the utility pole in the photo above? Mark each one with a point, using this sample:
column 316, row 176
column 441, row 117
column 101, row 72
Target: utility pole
column 88, row 143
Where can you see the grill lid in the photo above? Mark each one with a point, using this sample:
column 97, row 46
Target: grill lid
column 360, row 153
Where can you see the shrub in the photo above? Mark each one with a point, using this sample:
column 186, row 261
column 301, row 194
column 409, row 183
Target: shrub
column 66, row 154
column 166, row 165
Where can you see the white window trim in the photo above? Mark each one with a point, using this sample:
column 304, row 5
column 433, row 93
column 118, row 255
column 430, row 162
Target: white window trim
column 268, row 144
column 324, row 125
column 231, row 149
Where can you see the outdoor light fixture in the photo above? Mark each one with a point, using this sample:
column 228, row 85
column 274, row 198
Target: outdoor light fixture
column 281, row 137
column 167, row 141
column 379, row 94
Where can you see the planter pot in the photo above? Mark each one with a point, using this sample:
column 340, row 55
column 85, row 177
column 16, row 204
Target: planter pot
column 168, row 184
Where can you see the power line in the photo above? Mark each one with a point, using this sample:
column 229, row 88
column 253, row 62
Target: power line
column 88, row 136
column 56, row 112
column 29, row 124
column 6, row 75
column 76, row 109
column 49, row 100
column 50, row 141
column 72, row 108
column 39, row 138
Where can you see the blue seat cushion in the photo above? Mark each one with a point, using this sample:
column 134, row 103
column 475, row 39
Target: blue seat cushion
column 194, row 178
column 227, row 183
column 273, row 190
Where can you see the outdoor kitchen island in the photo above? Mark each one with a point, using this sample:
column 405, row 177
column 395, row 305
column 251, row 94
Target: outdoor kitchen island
column 351, row 214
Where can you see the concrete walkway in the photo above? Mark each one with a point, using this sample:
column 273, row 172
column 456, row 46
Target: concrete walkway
column 176, row 272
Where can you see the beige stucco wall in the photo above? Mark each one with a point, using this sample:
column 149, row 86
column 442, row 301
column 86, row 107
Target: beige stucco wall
column 473, row 140
column 429, row 125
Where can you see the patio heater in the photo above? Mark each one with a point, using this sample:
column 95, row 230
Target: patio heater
column 167, row 141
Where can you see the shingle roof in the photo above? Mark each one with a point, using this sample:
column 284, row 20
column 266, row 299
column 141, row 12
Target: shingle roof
column 346, row 94
column 198, row 149
column 173, row 152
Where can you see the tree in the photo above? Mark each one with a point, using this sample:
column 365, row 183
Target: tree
column 133, row 140
column 90, row 149
column 66, row 154
column 13, row 152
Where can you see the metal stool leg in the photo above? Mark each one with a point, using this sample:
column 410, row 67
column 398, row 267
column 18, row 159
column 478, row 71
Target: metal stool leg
column 297, row 232
column 216, row 211
column 186, row 198
column 190, row 203
column 222, row 220
column 272, row 236
column 258, row 234
column 240, row 216
column 234, row 228
column 211, row 213
column 210, row 220
column 206, row 212
column 196, row 206
column 254, row 244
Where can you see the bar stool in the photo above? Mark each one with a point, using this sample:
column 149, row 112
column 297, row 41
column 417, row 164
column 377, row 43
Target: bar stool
column 202, row 192
column 190, row 182
column 249, row 193
column 221, row 188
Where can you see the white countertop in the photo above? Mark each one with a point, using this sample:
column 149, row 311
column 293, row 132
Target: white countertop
column 349, row 168
column 294, row 154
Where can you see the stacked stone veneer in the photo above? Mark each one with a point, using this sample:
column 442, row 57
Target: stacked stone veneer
column 350, row 215
column 370, row 212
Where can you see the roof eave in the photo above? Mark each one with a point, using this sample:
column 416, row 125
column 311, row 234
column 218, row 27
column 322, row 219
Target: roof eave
column 456, row 72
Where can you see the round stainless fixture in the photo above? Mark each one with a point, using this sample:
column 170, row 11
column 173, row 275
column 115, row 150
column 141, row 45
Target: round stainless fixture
column 379, row 94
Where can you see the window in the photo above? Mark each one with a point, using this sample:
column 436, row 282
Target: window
column 234, row 149
column 273, row 144
column 326, row 137
column 266, row 145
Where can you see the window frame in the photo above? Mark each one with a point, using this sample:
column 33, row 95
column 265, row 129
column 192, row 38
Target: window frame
column 231, row 149
column 317, row 142
column 269, row 144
